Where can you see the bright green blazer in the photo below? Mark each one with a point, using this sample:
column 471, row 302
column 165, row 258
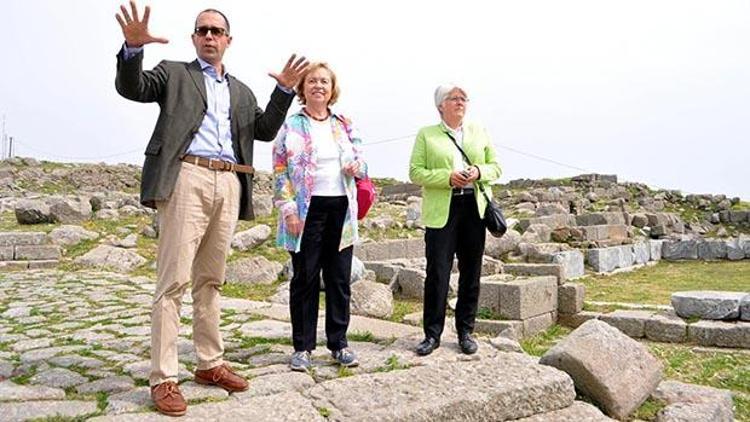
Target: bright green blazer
column 431, row 165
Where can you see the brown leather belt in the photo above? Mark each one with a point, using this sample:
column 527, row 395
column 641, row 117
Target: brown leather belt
column 213, row 164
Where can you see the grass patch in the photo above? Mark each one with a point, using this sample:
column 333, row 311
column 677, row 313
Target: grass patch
column 8, row 223
column 247, row 342
column 655, row 284
column 487, row 313
column 258, row 292
column 719, row 369
column 716, row 369
column 345, row 372
column 539, row 344
column 361, row 336
column 324, row 412
column 392, row 364
column 649, row 409
column 403, row 307
column 24, row 379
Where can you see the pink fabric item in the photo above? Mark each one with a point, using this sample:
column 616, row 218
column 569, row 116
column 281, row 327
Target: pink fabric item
column 365, row 196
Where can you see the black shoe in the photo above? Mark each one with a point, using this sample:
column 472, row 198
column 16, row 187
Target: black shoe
column 468, row 345
column 427, row 346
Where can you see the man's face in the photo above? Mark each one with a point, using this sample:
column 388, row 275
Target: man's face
column 210, row 47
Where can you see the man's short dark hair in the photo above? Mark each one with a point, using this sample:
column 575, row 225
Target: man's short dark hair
column 213, row 11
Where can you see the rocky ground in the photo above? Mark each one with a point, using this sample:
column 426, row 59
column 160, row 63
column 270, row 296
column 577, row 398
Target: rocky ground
column 76, row 345
column 74, row 322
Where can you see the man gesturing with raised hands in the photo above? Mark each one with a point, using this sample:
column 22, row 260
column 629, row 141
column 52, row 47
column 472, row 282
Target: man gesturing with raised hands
column 198, row 174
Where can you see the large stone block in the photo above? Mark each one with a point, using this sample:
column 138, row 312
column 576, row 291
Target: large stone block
column 601, row 218
column 666, row 328
column 712, row 249
column 641, row 253
column 69, row 210
column 552, row 221
column 570, row 298
column 571, row 261
column 577, row 412
column 576, row 320
column 707, row 304
column 495, row 327
column 253, row 270
column 528, row 297
column 632, row 323
column 744, row 242
column 37, row 252
column 738, row 216
column 675, row 250
column 249, row 239
column 512, row 386
column 22, row 238
column 689, row 402
column 109, row 257
column 606, row 260
column 489, row 293
column 604, row 232
column 32, row 211
column 720, row 333
column 411, row 283
column 391, row 249
column 535, row 269
column 371, row 299
column 496, row 248
column 539, row 323
column 745, row 308
column 655, row 246
column 615, row 371
column 734, row 250
column 544, row 252
column 385, row 272
column 6, row 253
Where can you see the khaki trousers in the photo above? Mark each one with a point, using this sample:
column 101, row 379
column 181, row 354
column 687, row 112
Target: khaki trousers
column 196, row 225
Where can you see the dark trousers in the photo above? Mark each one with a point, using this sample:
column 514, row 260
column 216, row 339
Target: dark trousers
column 462, row 236
column 320, row 250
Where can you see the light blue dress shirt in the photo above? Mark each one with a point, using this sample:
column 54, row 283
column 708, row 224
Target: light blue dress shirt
column 214, row 137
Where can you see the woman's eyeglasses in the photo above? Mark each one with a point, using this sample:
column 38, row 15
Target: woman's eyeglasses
column 458, row 99
column 202, row 31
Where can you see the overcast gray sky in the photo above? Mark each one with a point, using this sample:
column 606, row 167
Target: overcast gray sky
column 653, row 91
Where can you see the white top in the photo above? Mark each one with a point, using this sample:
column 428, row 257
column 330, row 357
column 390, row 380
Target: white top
column 459, row 163
column 328, row 177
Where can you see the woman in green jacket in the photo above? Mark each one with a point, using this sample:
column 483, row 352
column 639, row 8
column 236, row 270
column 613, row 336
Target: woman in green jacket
column 451, row 212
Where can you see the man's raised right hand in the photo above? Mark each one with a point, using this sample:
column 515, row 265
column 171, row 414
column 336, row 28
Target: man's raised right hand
column 135, row 30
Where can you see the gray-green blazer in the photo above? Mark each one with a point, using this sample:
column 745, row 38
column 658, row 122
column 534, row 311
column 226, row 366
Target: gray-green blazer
column 180, row 91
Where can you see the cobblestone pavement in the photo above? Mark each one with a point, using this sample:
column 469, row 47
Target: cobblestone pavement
column 76, row 345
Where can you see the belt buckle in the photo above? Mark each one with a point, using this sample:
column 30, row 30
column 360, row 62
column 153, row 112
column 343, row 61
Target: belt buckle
column 210, row 164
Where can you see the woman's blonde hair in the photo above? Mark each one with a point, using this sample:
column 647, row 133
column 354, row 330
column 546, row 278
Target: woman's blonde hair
column 300, row 88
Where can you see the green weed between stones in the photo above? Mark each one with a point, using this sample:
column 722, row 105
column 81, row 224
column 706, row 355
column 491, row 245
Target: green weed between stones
column 361, row 336
column 324, row 412
column 258, row 292
column 246, row 342
column 403, row 307
column 24, row 379
column 392, row 364
column 486, row 313
column 649, row 409
column 345, row 372
column 539, row 344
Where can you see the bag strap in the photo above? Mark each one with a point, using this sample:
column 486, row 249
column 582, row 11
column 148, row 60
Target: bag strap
column 466, row 158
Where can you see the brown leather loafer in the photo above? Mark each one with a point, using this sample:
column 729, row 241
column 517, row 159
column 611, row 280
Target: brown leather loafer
column 168, row 399
column 223, row 376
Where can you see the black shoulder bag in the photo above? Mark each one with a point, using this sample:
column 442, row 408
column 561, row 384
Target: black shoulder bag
column 493, row 219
